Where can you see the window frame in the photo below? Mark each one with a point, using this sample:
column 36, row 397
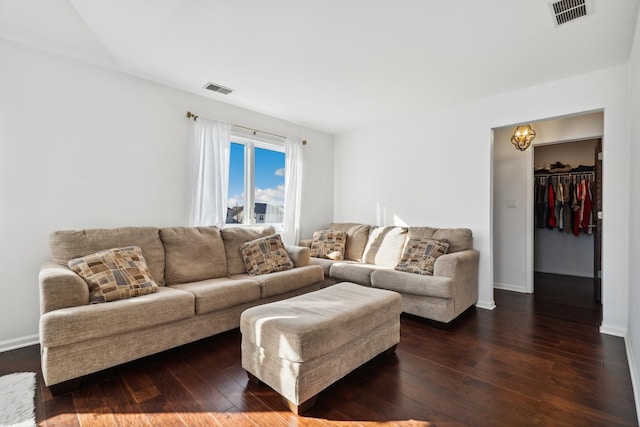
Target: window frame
column 251, row 142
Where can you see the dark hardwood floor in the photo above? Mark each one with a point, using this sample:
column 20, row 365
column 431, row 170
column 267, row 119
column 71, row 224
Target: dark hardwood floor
column 534, row 360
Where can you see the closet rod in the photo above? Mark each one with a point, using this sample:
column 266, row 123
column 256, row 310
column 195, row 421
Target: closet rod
column 546, row 175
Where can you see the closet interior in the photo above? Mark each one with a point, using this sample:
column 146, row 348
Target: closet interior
column 567, row 201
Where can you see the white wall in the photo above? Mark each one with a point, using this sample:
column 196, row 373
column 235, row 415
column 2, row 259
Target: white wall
column 84, row 147
column 512, row 181
column 633, row 337
column 435, row 168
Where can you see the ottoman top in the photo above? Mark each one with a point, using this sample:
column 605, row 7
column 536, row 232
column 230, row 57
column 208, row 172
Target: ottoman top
column 310, row 325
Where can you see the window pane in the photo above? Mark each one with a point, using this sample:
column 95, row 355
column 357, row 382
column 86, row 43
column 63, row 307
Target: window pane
column 235, row 196
column 269, row 186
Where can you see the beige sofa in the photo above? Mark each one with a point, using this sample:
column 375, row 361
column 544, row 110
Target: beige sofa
column 371, row 253
column 203, row 289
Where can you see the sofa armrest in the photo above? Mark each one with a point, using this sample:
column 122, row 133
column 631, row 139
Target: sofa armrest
column 306, row 243
column 463, row 268
column 458, row 265
column 60, row 288
column 301, row 256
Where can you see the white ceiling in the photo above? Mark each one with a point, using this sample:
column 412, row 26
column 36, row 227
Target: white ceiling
column 332, row 65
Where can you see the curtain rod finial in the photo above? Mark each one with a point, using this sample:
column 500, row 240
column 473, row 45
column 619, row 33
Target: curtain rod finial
column 304, row 142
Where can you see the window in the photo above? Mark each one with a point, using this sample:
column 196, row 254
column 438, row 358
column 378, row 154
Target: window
column 256, row 180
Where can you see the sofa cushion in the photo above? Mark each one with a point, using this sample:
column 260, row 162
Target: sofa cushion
column 234, row 237
column 357, row 235
column 75, row 324
column 115, row 274
column 350, row 271
column 284, row 281
column 413, row 284
column 420, row 255
column 218, row 294
column 385, row 245
column 265, row 255
column 192, row 254
column 459, row 239
column 68, row 244
column 328, row 244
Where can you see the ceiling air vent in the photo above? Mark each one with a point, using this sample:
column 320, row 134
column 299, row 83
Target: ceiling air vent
column 568, row 10
column 218, row 88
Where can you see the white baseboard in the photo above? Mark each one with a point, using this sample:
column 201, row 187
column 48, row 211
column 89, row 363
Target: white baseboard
column 486, row 305
column 15, row 343
column 613, row 330
column 507, row 287
column 634, row 374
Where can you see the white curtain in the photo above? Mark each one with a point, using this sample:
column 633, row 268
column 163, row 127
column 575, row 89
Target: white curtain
column 211, row 145
column 292, row 191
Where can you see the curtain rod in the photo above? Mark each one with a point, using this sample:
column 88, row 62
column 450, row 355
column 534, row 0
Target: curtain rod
column 190, row 115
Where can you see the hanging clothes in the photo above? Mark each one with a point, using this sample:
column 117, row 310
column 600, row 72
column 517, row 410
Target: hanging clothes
column 580, row 192
column 587, row 219
column 551, row 222
column 539, row 191
column 559, row 206
column 545, row 201
column 568, row 212
column 564, row 203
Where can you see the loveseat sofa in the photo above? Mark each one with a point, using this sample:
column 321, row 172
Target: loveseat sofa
column 202, row 288
column 371, row 255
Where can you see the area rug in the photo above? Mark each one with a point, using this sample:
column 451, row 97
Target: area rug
column 17, row 392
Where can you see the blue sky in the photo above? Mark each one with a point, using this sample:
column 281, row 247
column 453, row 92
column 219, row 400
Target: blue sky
column 269, row 176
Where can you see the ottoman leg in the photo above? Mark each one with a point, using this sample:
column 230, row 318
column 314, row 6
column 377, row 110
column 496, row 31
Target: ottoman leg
column 303, row 407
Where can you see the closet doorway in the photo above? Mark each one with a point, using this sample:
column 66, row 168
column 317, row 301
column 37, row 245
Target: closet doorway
column 567, row 226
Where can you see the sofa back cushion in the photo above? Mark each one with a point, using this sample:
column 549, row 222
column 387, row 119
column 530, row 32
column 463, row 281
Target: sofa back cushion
column 357, row 235
column 68, row 244
column 193, row 254
column 234, row 237
column 459, row 239
column 384, row 246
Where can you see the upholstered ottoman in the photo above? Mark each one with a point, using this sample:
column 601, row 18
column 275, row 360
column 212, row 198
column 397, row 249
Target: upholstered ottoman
column 301, row 345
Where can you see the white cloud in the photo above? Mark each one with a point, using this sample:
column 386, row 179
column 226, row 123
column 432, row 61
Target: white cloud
column 279, row 172
column 235, row 200
column 272, row 196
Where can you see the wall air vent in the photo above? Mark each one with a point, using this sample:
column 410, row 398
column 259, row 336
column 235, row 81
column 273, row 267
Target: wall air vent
column 568, row 10
column 218, row 88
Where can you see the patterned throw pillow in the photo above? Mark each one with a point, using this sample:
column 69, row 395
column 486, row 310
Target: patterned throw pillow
column 265, row 255
column 329, row 244
column 420, row 255
column 115, row 274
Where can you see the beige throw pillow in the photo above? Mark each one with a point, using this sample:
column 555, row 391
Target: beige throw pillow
column 329, row 244
column 115, row 274
column 420, row 256
column 265, row 255
column 234, row 237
